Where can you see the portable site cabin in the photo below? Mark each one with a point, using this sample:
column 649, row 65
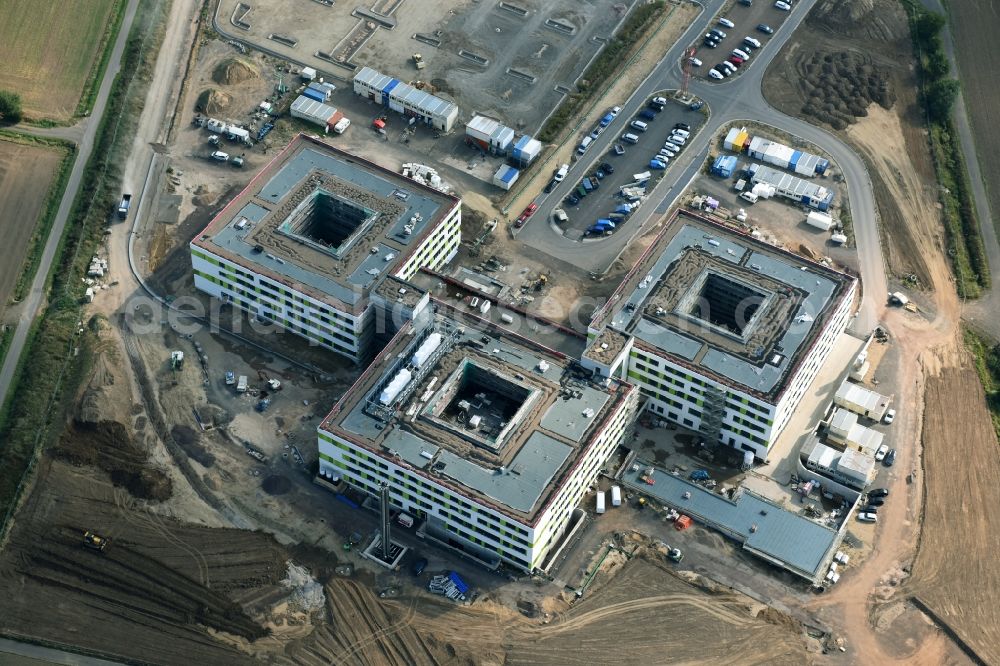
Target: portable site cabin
column 505, row 177
column 600, row 502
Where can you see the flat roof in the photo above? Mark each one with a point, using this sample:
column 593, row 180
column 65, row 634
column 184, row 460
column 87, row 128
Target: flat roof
column 260, row 228
column 779, row 302
column 858, row 395
column 785, row 538
column 539, row 411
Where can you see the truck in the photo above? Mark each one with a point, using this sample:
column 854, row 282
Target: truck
column 616, row 496
column 230, row 377
column 341, row 125
column 241, row 384
column 600, row 502
column 124, row 206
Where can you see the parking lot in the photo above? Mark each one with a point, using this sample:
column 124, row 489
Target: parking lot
column 745, row 20
column 602, row 201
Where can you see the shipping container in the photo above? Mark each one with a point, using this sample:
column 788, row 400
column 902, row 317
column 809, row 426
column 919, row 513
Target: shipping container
column 490, row 135
column 819, row 220
column 616, row 496
column 314, row 94
column 312, row 111
column 505, row 177
column 600, row 501
column 526, row 149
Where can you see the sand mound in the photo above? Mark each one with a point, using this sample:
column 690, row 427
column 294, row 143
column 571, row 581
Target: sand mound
column 234, row 70
column 213, row 101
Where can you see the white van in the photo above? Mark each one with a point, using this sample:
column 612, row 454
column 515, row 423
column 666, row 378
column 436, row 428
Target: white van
column 639, row 125
column 740, row 53
column 582, row 148
column 677, row 140
column 630, row 138
column 681, row 132
column 749, row 196
column 752, row 42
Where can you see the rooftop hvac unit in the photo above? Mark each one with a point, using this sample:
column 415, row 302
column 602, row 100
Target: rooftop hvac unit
column 395, row 386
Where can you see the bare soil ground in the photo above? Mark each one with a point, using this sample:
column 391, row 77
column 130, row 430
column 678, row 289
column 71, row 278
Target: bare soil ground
column 48, row 50
column 152, row 595
column 26, row 174
column 868, row 47
column 970, row 23
column 943, row 427
column 954, row 573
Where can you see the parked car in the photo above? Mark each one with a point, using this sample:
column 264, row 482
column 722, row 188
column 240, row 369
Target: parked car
column 607, row 168
column 880, row 454
column 878, row 492
column 527, row 213
column 647, row 114
column 615, row 110
column 628, row 137
column 736, row 60
column 561, row 173
column 875, row 500
column 549, row 186
column 596, row 133
column 889, row 416
column 639, row 125
column 711, row 43
column 890, row 458
column 783, row 6
column 718, row 33
column 726, row 23
column 572, row 199
column 765, row 28
column 752, row 42
column 682, row 126
column 418, row 566
column 680, row 131
column 619, row 149
column 727, row 67
column 657, row 103
column 871, row 508
column 740, row 53
column 868, row 517
column 715, row 74
column 695, row 62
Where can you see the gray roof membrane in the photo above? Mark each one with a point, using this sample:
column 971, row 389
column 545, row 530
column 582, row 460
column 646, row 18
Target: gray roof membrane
column 521, row 484
column 287, row 177
column 761, row 377
column 798, row 543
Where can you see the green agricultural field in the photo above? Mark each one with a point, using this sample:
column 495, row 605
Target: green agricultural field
column 49, row 51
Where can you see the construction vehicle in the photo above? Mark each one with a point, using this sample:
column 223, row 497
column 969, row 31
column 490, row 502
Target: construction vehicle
column 418, row 61
column 95, row 541
column 537, row 284
column 176, row 360
column 230, row 378
column 641, row 504
column 675, row 554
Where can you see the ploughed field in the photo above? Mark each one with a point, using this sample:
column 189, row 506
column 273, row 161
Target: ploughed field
column 48, row 50
column 26, row 174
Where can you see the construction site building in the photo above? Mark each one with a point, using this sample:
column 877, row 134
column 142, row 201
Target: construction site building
column 322, row 243
column 861, row 401
column 489, row 135
column 791, row 187
column 723, row 333
column 490, row 439
column 406, row 99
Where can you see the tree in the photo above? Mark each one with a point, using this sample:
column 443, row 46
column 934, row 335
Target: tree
column 10, row 107
column 928, row 25
column 940, row 97
column 937, row 65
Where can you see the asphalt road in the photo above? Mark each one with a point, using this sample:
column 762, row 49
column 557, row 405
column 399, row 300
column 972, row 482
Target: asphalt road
column 35, row 299
column 735, row 99
column 38, row 654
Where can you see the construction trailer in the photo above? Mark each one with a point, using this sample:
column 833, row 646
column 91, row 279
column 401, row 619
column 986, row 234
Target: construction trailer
column 406, row 99
column 489, row 135
column 790, row 187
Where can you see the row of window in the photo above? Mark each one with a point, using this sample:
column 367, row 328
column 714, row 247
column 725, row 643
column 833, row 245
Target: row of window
column 417, row 485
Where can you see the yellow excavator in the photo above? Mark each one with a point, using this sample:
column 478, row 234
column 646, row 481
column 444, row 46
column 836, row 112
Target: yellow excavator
column 95, row 541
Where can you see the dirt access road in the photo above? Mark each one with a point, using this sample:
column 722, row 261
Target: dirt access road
column 869, row 605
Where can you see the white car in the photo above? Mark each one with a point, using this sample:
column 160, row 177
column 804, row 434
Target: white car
column 889, row 416
column 714, row 73
column 727, row 23
column 751, row 42
column 615, row 110
column 868, row 517
column 882, row 450
column 783, row 6
column 677, row 139
column 695, row 62
column 740, row 53
column 561, row 173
